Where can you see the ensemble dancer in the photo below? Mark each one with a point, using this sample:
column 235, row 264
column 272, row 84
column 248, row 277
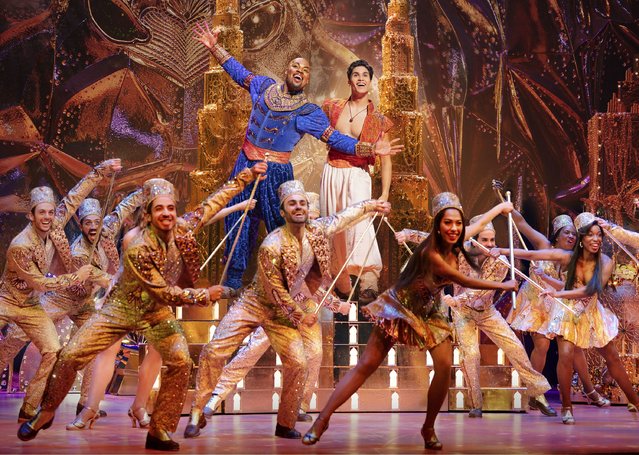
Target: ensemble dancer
column 346, row 179
column 31, row 257
column 473, row 309
column 587, row 271
column 150, row 367
column 292, row 275
column 76, row 303
column 141, row 301
column 280, row 116
column 258, row 344
column 410, row 313
column 532, row 312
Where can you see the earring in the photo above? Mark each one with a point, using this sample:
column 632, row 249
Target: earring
column 581, row 245
column 439, row 232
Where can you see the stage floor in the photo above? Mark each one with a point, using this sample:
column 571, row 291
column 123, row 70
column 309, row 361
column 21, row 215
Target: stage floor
column 606, row 430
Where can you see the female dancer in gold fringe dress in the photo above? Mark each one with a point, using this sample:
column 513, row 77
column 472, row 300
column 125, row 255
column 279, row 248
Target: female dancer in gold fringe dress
column 409, row 313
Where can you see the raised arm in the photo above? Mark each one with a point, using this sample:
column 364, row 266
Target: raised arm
column 479, row 225
column 68, row 206
column 538, row 239
column 625, row 236
column 218, row 200
column 113, row 221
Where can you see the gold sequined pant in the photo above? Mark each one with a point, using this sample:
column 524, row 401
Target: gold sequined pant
column 467, row 321
column 116, row 319
column 57, row 309
column 37, row 327
column 243, row 318
column 258, row 344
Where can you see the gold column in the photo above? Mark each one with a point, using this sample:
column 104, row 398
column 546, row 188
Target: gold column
column 221, row 123
column 398, row 101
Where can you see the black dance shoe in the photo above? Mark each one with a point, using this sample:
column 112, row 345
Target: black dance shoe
column 23, row 416
column 284, row 432
column 154, row 443
column 304, row 417
column 26, row 432
column 540, row 402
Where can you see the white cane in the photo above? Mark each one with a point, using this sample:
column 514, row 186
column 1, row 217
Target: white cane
column 512, row 251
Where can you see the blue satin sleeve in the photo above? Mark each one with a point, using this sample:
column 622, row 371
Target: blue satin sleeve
column 317, row 125
column 244, row 78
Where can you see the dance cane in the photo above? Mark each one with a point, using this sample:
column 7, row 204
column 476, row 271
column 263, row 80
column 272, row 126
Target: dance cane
column 107, row 202
column 330, row 288
column 395, row 232
column 239, row 231
column 219, row 245
column 520, row 274
column 622, row 246
column 512, row 250
column 361, row 270
column 497, row 185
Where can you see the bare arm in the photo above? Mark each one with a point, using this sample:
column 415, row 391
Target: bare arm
column 581, row 293
column 550, row 254
column 387, row 173
column 539, row 241
column 443, row 269
column 479, row 225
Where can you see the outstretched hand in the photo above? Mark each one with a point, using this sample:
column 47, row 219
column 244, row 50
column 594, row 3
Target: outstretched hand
column 204, row 35
column 384, row 147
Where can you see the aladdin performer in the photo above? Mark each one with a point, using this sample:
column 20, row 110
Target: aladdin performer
column 141, row 301
column 76, row 303
column 258, row 344
column 40, row 250
column 281, row 115
column 590, row 325
column 409, row 313
column 473, row 309
column 293, row 275
column 346, row 179
column 532, row 312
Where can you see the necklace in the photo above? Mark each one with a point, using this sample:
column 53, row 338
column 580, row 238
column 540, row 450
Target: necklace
column 351, row 112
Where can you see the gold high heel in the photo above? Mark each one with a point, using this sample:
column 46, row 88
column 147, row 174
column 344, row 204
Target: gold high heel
column 431, row 442
column 139, row 417
column 632, row 408
column 313, row 436
column 80, row 424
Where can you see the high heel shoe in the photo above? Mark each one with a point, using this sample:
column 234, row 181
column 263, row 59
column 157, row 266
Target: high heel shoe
column 430, row 439
column 632, row 408
column 595, row 398
column 139, row 417
column 79, row 423
column 313, row 436
column 566, row 416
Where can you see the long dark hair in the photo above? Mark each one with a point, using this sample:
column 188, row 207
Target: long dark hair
column 595, row 285
column 418, row 264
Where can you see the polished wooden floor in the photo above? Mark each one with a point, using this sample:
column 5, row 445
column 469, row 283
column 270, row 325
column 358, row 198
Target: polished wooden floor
column 607, row 430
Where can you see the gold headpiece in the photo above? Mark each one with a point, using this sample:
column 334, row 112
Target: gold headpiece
column 313, row 203
column 444, row 201
column 88, row 207
column 560, row 222
column 153, row 188
column 289, row 188
column 41, row 194
column 584, row 219
column 489, row 226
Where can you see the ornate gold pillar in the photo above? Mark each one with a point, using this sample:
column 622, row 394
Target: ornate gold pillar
column 221, row 123
column 398, row 101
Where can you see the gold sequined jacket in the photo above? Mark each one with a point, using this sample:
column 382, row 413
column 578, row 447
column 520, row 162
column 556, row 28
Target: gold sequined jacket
column 147, row 282
column 278, row 262
column 478, row 299
column 106, row 259
column 29, row 260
